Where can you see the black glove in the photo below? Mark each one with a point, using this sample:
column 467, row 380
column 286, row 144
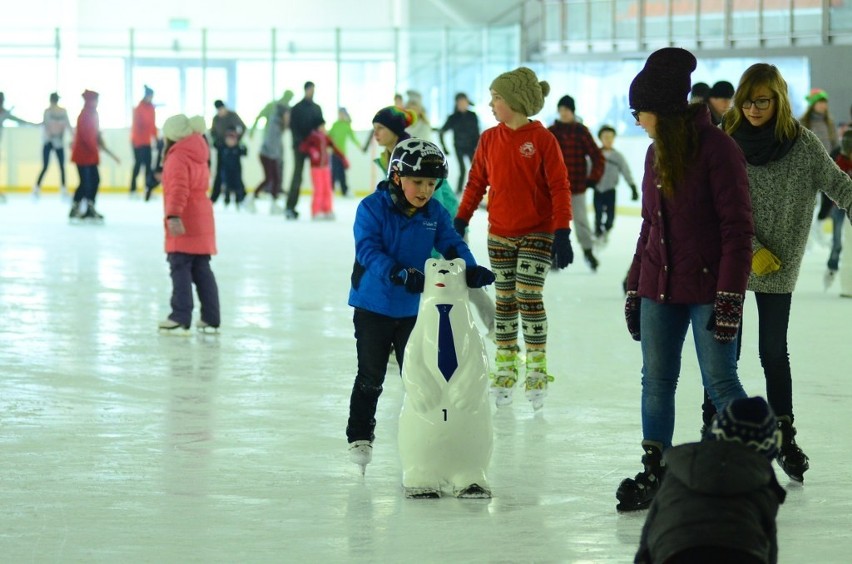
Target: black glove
column 561, row 255
column 632, row 308
column 590, row 184
column 460, row 226
column 634, row 194
column 411, row 278
column 726, row 317
column 479, row 276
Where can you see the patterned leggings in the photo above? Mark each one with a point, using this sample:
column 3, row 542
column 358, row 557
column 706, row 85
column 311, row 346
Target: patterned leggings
column 520, row 265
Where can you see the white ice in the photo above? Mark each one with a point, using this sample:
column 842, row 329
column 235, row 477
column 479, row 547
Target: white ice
column 121, row 445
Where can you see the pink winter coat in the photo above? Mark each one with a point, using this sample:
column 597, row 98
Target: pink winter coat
column 185, row 181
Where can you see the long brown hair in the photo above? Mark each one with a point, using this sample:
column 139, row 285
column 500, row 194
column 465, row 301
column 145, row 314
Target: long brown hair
column 675, row 147
column 766, row 75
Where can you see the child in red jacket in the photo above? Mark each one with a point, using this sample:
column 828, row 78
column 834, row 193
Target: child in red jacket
column 316, row 146
column 529, row 211
column 190, row 229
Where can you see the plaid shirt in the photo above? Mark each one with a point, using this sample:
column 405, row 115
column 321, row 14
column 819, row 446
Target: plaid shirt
column 577, row 145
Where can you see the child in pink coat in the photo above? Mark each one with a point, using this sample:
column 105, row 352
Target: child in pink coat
column 189, row 225
column 316, row 146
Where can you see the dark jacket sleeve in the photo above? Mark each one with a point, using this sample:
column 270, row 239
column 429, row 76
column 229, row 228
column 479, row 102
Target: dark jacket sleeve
column 596, row 156
column 732, row 203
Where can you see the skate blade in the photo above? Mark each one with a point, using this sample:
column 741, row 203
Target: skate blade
column 474, row 491
column 208, row 330
column 625, row 508
column 502, row 396
column 176, row 332
column 422, row 493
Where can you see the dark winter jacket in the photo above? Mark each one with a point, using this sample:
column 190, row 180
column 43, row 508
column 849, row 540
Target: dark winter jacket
column 578, row 149
column 386, row 240
column 305, row 116
column 465, row 128
column 699, row 241
column 720, row 494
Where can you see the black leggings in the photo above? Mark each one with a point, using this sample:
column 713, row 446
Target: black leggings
column 773, row 314
column 45, row 159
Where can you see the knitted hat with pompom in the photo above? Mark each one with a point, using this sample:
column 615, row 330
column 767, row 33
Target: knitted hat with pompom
column 522, row 90
column 663, row 85
column 179, row 126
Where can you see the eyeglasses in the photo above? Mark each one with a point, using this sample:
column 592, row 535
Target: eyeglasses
column 760, row 103
column 635, row 114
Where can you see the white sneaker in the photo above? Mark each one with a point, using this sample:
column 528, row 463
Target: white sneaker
column 172, row 327
column 276, row 209
column 361, row 453
column 248, row 203
column 36, row 191
column 63, row 193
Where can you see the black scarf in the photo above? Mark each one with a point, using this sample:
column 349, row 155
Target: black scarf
column 399, row 200
column 759, row 144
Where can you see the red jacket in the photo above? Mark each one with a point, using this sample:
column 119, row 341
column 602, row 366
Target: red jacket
column 529, row 190
column 185, row 182
column 698, row 242
column 316, row 146
column 144, row 127
column 576, row 144
column 84, row 150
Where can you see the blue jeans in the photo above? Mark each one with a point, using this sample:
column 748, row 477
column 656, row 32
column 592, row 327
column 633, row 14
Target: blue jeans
column 838, row 217
column 663, row 328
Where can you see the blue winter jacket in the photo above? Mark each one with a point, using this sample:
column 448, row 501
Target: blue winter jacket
column 386, row 240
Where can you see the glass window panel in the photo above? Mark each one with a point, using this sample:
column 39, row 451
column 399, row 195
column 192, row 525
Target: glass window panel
column 105, row 76
column 626, row 19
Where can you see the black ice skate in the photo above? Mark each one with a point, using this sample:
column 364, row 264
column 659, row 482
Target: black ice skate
column 92, row 214
column 474, row 491
column 637, row 493
column 422, row 493
column 591, row 260
column 75, row 214
column 791, row 459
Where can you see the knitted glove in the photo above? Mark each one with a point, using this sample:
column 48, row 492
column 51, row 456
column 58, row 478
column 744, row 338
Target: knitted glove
column 460, row 226
column 727, row 314
column 763, row 262
column 479, row 276
column 561, row 253
column 411, row 278
column 632, row 308
column 634, row 194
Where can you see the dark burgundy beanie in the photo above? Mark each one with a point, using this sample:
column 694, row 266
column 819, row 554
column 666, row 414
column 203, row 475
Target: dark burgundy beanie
column 663, row 85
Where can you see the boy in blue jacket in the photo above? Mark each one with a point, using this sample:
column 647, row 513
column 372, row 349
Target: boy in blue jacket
column 396, row 228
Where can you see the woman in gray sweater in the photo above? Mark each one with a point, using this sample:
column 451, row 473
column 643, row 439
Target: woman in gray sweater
column 787, row 166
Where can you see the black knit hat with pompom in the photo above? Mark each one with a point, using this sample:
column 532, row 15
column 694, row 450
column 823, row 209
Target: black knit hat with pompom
column 663, row 85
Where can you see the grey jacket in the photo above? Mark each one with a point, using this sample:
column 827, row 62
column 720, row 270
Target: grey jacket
column 615, row 164
column 783, row 197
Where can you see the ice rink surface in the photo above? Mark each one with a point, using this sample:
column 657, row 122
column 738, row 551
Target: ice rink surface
column 121, row 445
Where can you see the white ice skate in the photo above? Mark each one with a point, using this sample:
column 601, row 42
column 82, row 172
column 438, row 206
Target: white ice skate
column 504, row 378
column 537, row 379
column 169, row 327
column 206, row 328
column 361, row 453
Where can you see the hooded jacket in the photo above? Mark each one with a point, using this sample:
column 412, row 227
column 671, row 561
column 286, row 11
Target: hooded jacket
column 85, row 150
column 714, row 493
column 387, row 240
column 524, row 173
column 185, row 182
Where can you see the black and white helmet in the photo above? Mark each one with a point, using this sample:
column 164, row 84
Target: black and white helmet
column 416, row 157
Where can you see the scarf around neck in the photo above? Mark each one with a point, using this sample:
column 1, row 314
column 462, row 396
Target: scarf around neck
column 760, row 145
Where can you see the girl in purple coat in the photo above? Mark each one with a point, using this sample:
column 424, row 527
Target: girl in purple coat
column 692, row 259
